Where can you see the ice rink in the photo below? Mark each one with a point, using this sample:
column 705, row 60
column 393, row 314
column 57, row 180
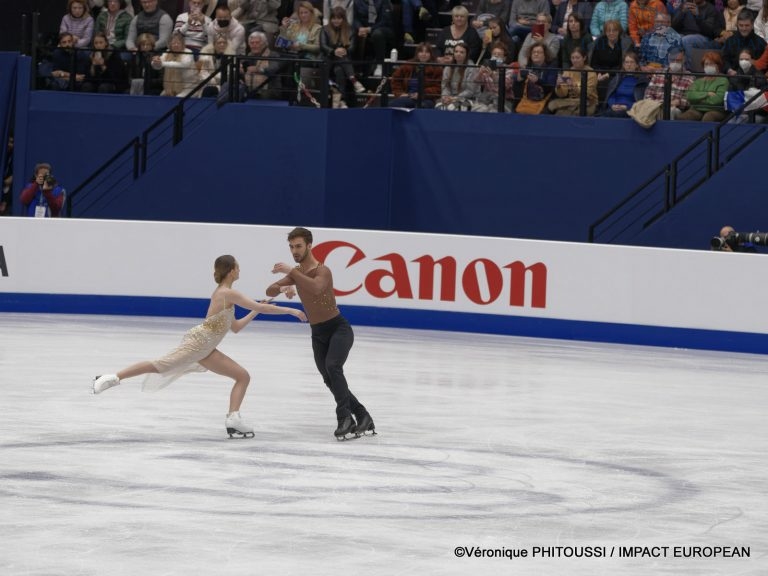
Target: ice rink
column 488, row 446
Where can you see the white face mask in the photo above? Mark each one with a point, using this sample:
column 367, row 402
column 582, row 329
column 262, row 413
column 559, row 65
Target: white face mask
column 709, row 69
column 745, row 65
column 675, row 66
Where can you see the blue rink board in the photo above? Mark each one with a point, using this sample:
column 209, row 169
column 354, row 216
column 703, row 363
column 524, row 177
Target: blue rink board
column 406, row 318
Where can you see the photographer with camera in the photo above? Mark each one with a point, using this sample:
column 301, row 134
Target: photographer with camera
column 731, row 241
column 42, row 197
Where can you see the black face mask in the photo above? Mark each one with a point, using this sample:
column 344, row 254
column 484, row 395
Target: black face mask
column 222, row 23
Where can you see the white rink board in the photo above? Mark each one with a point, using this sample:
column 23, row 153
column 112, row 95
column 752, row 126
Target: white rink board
column 583, row 282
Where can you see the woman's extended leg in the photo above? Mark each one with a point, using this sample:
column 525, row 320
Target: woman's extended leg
column 219, row 363
column 137, row 370
column 106, row 381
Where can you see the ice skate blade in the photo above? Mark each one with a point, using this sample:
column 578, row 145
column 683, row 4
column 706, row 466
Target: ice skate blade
column 233, row 433
column 366, row 433
column 345, row 437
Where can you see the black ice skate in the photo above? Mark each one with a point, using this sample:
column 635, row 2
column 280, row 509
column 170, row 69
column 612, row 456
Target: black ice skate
column 236, row 427
column 365, row 426
column 346, row 429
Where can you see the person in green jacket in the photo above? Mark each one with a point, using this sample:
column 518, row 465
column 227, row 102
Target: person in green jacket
column 707, row 93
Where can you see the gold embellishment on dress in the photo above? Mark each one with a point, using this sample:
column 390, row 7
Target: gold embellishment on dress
column 217, row 323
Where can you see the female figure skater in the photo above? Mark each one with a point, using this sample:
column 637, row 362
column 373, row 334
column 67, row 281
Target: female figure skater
column 197, row 351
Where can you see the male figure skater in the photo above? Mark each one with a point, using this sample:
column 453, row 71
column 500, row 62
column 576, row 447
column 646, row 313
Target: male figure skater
column 332, row 335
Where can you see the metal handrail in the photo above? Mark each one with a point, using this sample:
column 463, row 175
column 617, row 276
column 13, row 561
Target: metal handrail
column 672, row 196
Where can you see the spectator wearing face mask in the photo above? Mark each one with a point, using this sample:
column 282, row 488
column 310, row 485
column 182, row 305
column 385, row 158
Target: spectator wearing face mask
column 749, row 77
column 225, row 25
column 680, row 81
column 706, row 94
column 744, row 39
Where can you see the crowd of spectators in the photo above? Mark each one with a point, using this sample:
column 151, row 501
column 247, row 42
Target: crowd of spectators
column 590, row 57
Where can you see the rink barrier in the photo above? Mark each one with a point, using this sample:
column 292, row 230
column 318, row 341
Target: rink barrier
column 506, row 286
column 409, row 319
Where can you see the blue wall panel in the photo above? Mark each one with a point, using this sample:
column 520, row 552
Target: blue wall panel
column 481, row 174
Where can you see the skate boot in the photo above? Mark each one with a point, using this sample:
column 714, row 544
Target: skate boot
column 346, row 429
column 101, row 383
column 236, row 427
column 365, row 426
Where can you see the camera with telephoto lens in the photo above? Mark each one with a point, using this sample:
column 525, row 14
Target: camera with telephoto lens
column 736, row 239
column 49, row 180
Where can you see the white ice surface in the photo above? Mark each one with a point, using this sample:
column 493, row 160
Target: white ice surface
column 484, row 441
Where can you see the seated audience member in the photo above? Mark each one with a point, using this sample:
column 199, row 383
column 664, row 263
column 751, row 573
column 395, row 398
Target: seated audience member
column 730, row 16
column 302, row 36
column 114, row 22
column 625, row 88
column 459, row 86
column 426, row 10
column 214, row 57
column 744, row 39
column 145, row 79
column 151, row 20
column 181, row 74
column 487, row 98
column 78, row 22
column 372, row 24
column 405, row 80
column 258, row 15
column 488, row 9
column 459, row 32
column 522, row 17
column 568, row 87
column 680, row 81
column 641, row 18
column 43, row 197
column 107, row 72
column 67, row 64
column 657, row 43
column 760, row 63
column 225, row 24
column 609, row 49
column 576, row 36
column 608, row 10
column 699, row 24
column 760, row 22
column 538, row 79
column 497, row 32
column 565, row 8
column 552, row 41
column 749, row 75
column 260, row 72
column 337, row 44
column 329, row 5
column 193, row 26
column 707, row 93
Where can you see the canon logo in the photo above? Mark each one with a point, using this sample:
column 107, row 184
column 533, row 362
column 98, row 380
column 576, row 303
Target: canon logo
column 507, row 281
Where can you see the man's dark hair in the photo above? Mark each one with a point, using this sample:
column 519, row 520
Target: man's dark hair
column 300, row 232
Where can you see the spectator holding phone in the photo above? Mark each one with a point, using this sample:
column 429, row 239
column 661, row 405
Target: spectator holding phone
column 540, row 33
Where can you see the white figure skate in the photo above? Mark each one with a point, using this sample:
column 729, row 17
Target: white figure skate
column 101, row 383
column 236, row 427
